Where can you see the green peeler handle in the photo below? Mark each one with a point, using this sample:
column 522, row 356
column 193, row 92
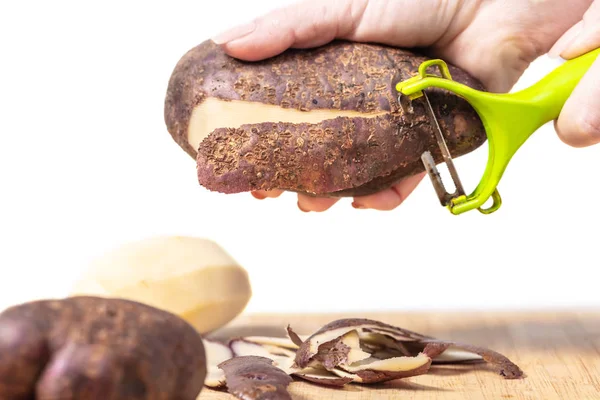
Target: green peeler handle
column 552, row 92
column 509, row 118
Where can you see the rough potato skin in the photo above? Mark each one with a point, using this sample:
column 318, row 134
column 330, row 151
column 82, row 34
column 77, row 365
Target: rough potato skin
column 98, row 348
column 338, row 157
column 255, row 378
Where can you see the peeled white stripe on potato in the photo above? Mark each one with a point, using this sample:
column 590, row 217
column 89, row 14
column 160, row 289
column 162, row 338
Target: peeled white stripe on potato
column 191, row 277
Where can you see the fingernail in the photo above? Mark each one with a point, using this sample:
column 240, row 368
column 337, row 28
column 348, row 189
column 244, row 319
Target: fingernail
column 234, row 33
column 566, row 41
column 258, row 196
column 584, row 42
column 302, row 209
column 358, row 206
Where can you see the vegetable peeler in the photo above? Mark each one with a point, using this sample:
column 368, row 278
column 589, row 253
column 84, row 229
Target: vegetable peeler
column 509, row 119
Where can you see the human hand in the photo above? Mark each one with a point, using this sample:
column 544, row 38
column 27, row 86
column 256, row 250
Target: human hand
column 579, row 122
column 495, row 41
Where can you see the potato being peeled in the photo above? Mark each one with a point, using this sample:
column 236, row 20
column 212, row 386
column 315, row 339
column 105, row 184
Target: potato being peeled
column 323, row 121
column 193, row 278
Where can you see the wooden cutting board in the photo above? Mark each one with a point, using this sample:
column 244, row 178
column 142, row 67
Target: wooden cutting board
column 558, row 351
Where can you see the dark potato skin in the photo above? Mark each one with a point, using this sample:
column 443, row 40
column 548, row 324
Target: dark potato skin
column 97, row 348
column 255, row 378
column 345, row 156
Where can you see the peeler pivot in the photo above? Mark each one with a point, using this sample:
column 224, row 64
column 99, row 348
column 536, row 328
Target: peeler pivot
column 509, row 119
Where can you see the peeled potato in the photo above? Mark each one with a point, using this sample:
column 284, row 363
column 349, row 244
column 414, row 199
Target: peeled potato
column 191, row 277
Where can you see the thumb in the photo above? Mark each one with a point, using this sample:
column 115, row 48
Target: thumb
column 579, row 122
column 311, row 23
column 305, row 23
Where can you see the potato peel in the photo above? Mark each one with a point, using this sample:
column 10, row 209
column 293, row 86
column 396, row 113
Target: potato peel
column 283, row 358
column 216, row 353
column 335, row 329
column 363, row 351
column 294, row 337
column 314, row 349
column 256, row 378
column 323, row 377
column 370, row 373
column 506, row 367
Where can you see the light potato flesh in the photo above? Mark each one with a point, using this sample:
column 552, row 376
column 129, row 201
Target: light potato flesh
column 344, row 374
column 214, row 113
column 193, row 278
column 216, row 353
column 328, row 336
column 394, row 364
column 356, row 354
column 279, row 351
column 323, row 375
column 377, row 339
column 275, row 341
column 457, row 355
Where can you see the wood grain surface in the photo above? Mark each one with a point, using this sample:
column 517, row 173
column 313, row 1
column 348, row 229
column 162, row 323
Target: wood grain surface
column 558, row 351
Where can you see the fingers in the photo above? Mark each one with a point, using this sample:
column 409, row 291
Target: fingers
column 579, row 122
column 385, row 200
column 565, row 40
column 310, row 23
column 302, row 24
column 582, row 37
column 315, row 204
column 391, row 198
column 305, row 203
column 263, row 194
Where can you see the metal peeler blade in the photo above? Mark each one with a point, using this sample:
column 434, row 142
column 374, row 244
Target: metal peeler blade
column 430, row 166
column 444, row 196
column 405, row 102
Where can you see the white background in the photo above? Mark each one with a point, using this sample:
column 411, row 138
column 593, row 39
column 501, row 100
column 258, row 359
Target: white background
column 86, row 164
